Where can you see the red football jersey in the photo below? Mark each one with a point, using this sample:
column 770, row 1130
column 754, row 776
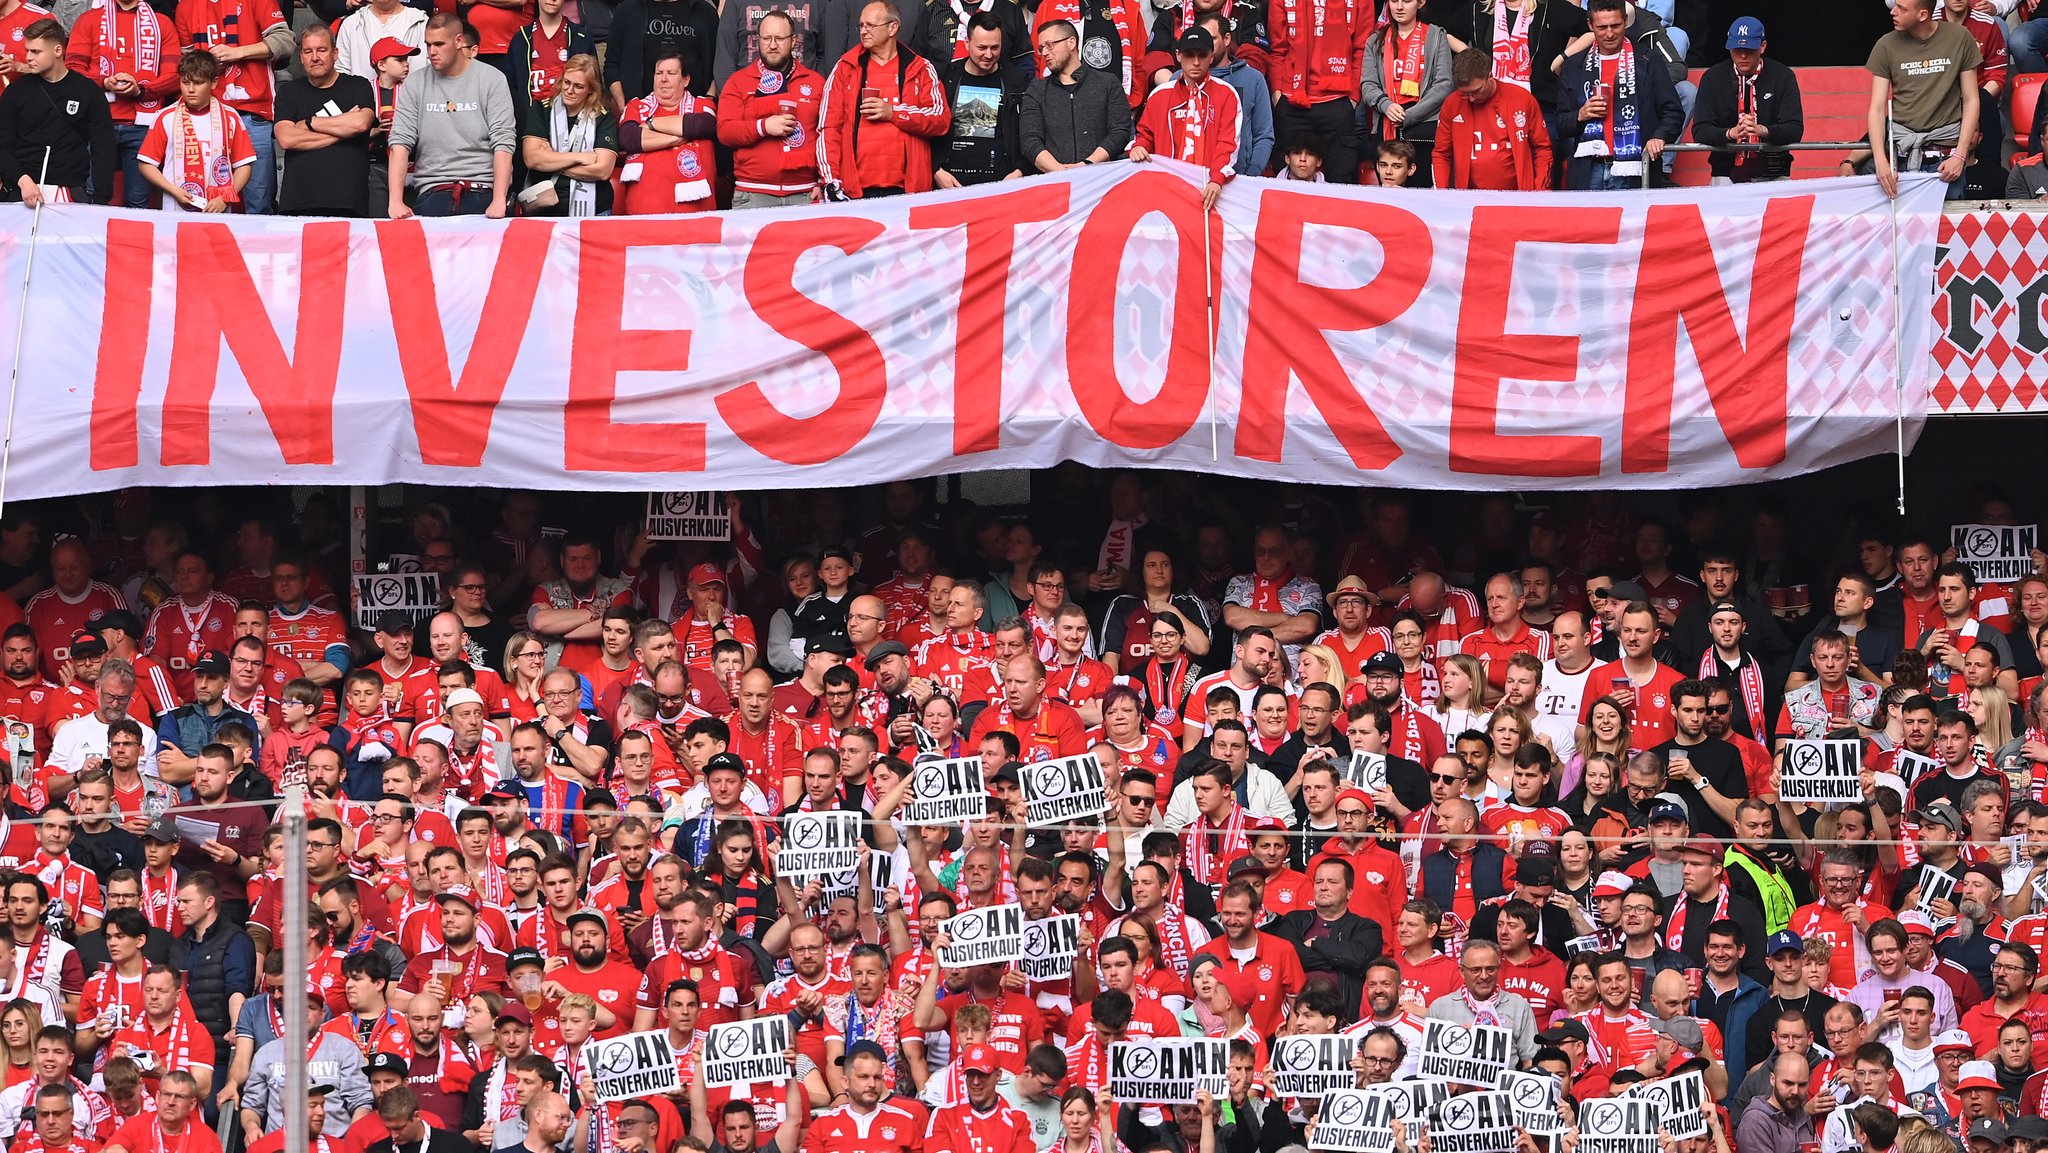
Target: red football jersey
column 178, row 636
column 54, row 616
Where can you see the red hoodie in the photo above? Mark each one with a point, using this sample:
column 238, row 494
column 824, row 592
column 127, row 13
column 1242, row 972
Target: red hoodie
column 1318, row 48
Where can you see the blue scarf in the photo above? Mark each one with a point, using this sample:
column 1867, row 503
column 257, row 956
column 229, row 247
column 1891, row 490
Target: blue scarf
column 1627, row 157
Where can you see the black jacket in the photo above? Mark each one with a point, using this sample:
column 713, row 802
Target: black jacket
column 933, row 29
column 1344, row 952
column 70, row 120
column 1658, row 111
column 625, row 57
column 1777, row 109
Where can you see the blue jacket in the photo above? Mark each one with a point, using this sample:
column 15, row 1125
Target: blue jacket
column 190, row 729
column 1255, row 129
column 1658, row 110
column 1749, row 999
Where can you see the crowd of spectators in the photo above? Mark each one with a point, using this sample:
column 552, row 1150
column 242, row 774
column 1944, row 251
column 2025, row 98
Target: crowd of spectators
column 1358, row 775
column 586, row 107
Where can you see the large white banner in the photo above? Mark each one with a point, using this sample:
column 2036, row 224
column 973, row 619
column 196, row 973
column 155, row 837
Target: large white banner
column 1361, row 336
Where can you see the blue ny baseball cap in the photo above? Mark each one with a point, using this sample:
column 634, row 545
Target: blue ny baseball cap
column 1747, row 32
column 1784, row 941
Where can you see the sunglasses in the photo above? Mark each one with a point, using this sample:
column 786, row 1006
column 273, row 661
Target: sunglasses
column 1720, row 710
column 1446, row 779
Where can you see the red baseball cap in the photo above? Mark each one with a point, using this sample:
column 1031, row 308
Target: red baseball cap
column 979, row 1059
column 388, row 47
column 707, row 574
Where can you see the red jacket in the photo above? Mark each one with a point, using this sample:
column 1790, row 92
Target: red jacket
column 1318, row 48
column 855, row 153
column 766, row 164
column 1512, row 120
column 1197, row 125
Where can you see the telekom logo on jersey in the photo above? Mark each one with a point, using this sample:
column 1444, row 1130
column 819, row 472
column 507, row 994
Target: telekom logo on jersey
column 1481, row 335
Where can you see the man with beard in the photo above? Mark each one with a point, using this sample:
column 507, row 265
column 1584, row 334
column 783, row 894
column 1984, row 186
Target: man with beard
column 549, row 932
column 1253, row 658
column 461, row 967
column 2012, row 996
column 1263, row 972
column 436, row 1069
column 1962, row 984
column 1037, row 880
column 1780, row 1121
column 686, row 947
column 1384, row 1010
column 805, row 991
column 1760, row 871
column 1979, row 930
column 592, row 972
column 1411, row 735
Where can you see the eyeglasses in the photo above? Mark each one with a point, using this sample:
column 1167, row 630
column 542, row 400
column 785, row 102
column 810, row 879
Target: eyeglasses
column 1050, row 586
column 1720, row 710
column 469, row 588
column 333, row 918
column 1376, row 1062
column 323, row 844
column 2007, row 967
column 532, row 654
column 1049, row 45
column 868, row 25
column 384, row 818
column 1350, row 812
column 866, row 617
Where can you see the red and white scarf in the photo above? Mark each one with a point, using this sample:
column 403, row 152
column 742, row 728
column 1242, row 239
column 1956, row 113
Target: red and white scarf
column 961, row 16
column 203, row 170
column 1171, row 929
column 1749, row 675
column 1511, row 44
column 1212, row 868
column 148, row 53
column 1265, row 593
column 1117, row 541
column 1166, row 687
column 1403, row 64
column 1674, row 933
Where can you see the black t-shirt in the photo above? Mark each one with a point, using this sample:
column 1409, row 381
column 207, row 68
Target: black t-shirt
column 687, row 28
column 1718, row 765
column 335, row 180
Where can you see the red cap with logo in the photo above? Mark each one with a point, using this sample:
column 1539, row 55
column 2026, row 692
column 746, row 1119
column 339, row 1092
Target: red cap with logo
column 707, row 574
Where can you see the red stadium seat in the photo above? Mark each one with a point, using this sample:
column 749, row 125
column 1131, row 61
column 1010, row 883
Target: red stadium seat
column 2026, row 92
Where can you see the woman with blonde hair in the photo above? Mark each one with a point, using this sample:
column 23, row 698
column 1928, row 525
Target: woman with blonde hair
column 1992, row 710
column 571, row 146
column 526, row 662
column 1461, row 699
column 1319, row 663
column 20, row 1021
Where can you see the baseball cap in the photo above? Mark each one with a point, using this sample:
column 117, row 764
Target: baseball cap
column 1668, row 811
column 870, row 1048
column 1944, row 814
column 1613, row 884
column 1195, row 42
column 520, row 957
column 1243, row 865
column 1255, row 826
column 1707, row 847
column 85, row 644
column 1627, row 591
column 118, row 619
column 1381, row 662
column 391, row 622
column 1986, row 870
column 707, row 574
column 514, row 1012
column 1977, row 1075
column 588, row 914
column 725, row 761
column 388, row 47
column 1685, row 1032
column 1565, row 1030
column 386, row 1063
column 1784, row 941
column 507, row 788
column 461, row 697
column 1350, row 586
column 1536, row 870
column 978, row 1059
column 1954, row 1039
column 163, row 830
column 213, row 664
column 1747, row 32
column 1545, row 519
column 1719, row 607
column 1916, row 921
column 1011, row 772
column 462, row 893
column 885, row 650
column 2028, row 1129
column 321, row 1087
column 829, row 643
column 1988, row 1129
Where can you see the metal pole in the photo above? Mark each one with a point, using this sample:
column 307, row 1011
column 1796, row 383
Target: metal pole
column 35, row 229
column 1209, row 331
column 1898, row 324
column 291, row 926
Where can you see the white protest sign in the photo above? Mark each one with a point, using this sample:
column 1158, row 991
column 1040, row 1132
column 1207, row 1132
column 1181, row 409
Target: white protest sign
column 688, row 516
column 1535, row 1097
column 990, row 936
column 882, row 874
column 1056, row 792
column 1617, row 1125
column 1935, row 885
column 1995, row 552
column 1406, row 1103
column 411, row 593
column 635, row 1065
column 1352, row 1121
column 1367, row 770
column 823, row 843
column 1050, row 946
column 1168, row 1070
column 1312, row 1064
column 1911, row 766
column 1474, row 1123
column 1467, row 1054
column 740, row 1052
column 946, row 792
column 1679, row 1104
column 1821, row 771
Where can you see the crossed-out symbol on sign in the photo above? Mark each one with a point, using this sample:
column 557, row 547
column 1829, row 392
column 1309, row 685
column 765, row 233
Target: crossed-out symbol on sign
column 1460, row 1114
column 1607, row 1120
column 1141, row 1064
column 969, row 929
column 807, row 834
column 673, row 503
column 1456, row 1042
column 1804, row 761
column 1531, row 1095
column 1980, row 543
column 619, row 1059
column 931, row 782
column 1051, row 781
column 1346, row 1113
column 1294, row 1055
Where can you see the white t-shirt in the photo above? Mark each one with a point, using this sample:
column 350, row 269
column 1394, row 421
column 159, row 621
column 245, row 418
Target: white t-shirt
column 86, row 736
column 1560, row 697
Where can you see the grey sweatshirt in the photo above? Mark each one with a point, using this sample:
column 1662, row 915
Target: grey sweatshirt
column 453, row 124
column 1072, row 120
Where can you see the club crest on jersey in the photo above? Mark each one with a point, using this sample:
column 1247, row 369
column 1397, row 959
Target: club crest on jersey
column 771, row 82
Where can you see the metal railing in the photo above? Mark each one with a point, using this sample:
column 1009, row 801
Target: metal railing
column 1801, row 146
